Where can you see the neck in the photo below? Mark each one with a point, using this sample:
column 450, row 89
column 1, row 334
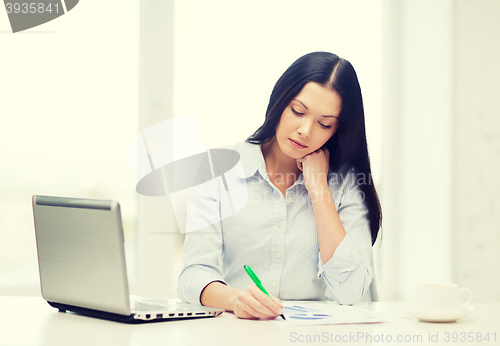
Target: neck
column 277, row 161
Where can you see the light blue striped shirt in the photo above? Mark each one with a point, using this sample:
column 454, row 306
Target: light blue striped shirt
column 275, row 235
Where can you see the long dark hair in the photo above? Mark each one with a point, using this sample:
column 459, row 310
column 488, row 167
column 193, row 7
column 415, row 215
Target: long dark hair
column 348, row 144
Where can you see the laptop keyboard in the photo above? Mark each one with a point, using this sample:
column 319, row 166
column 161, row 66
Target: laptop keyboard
column 140, row 306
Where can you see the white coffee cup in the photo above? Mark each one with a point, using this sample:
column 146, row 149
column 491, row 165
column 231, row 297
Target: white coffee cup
column 437, row 296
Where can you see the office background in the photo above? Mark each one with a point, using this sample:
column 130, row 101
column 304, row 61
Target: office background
column 76, row 90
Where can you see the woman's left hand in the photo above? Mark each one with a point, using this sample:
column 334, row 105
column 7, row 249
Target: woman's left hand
column 314, row 167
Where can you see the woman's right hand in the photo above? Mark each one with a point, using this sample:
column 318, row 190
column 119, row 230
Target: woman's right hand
column 252, row 303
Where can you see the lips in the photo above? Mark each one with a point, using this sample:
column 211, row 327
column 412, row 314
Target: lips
column 297, row 144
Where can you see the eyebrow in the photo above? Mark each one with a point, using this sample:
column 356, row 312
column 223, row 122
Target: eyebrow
column 326, row 116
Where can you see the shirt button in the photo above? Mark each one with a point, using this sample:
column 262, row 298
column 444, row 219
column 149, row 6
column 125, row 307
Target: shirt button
column 278, row 254
column 273, row 283
column 280, row 224
column 261, row 181
column 290, row 199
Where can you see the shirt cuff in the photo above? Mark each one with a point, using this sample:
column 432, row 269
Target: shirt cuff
column 344, row 260
column 192, row 290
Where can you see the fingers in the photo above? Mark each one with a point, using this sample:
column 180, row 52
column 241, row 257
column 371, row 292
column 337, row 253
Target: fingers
column 277, row 301
column 253, row 303
column 323, row 150
column 240, row 313
column 243, row 310
column 320, row 150
column 264, row 302
column 320, row 155
column 251, row 308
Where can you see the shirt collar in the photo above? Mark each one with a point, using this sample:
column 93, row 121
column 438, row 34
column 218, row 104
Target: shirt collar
column 252, row 159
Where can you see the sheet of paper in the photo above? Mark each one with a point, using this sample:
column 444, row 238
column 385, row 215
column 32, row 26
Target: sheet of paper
column 317, row 313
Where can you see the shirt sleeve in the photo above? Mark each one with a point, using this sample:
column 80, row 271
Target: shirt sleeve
column 348, row 274
column 203, row 242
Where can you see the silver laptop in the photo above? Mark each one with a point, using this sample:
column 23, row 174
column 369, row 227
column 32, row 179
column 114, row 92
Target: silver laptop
column 81, row 258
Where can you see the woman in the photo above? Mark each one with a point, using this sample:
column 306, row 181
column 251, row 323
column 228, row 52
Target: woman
column 312, row 212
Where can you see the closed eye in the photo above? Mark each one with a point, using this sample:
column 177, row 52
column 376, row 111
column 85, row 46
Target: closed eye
column 301, row 114
column 296, row 112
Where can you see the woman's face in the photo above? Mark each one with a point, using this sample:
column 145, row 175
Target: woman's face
column 309, row 120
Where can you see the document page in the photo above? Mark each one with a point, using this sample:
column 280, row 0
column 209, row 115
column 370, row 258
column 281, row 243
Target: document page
column 316, row 313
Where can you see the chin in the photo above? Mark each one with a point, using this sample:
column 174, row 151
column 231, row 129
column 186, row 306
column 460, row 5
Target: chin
column 294, row 154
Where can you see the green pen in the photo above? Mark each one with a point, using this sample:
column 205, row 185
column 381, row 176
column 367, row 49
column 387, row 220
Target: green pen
column 256, row 280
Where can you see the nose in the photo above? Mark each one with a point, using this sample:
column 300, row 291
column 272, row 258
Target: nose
column 305, row 128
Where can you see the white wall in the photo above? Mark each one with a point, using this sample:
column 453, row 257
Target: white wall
column 477, row 148
column 68, row 108
column 416, row 192
column 442, row 147
column 229, row 54
column 158, row 237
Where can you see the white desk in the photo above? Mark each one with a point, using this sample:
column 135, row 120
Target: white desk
column 31, row 321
